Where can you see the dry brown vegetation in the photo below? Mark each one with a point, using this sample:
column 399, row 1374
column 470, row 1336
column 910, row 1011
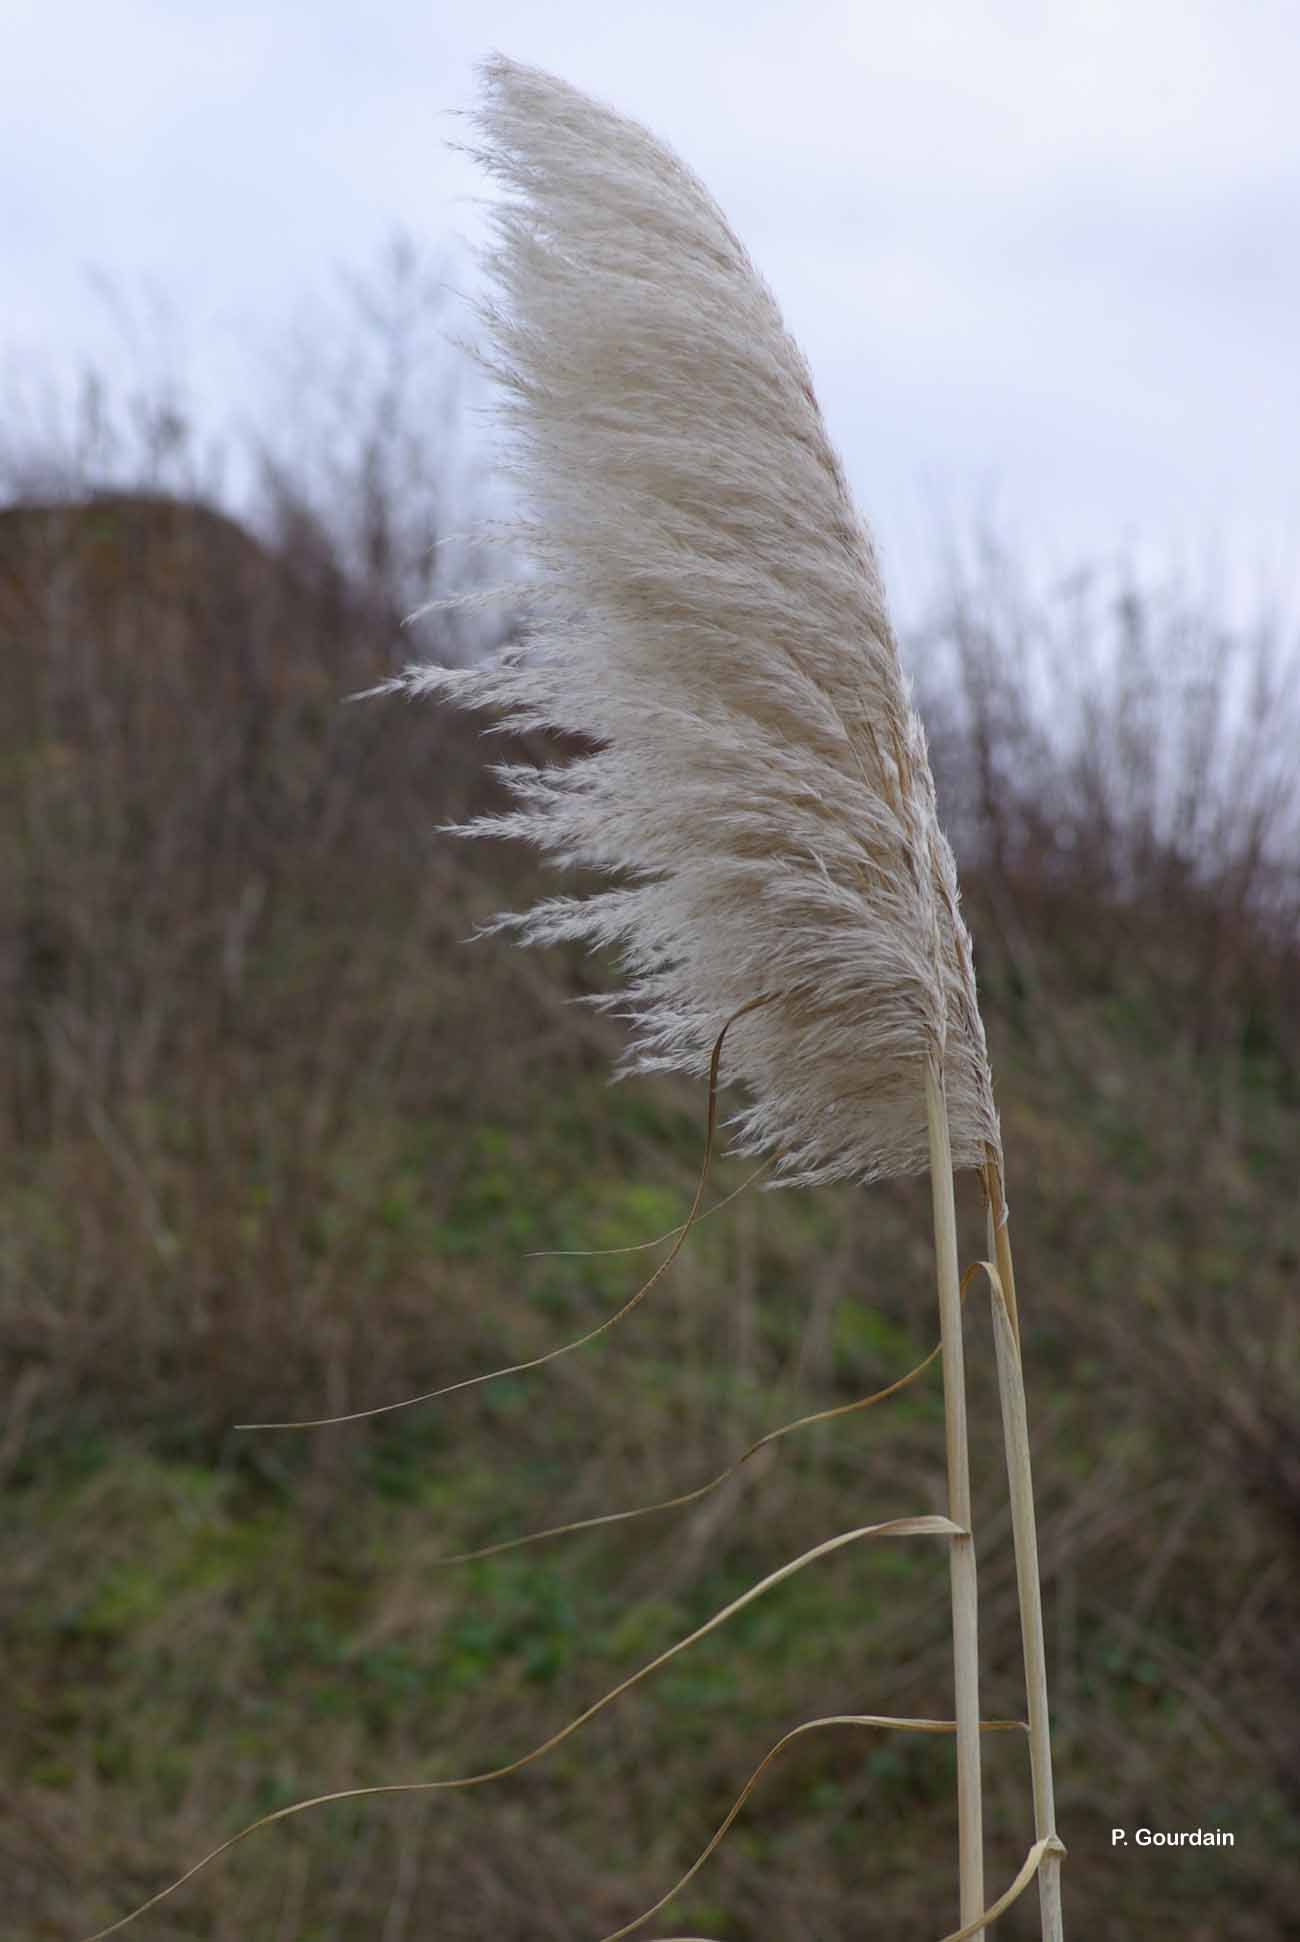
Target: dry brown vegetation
column 277, row 1141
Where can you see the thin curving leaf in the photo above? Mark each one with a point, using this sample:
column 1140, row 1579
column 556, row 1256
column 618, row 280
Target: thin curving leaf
column 877, row 1720
column 702, row 1490
column 641, row 1247
column 1040, row 1852
column 565, row 1348
column 930, row 1526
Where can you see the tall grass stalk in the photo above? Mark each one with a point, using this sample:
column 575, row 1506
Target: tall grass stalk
column 709, row 623
column 965, row 1600
column 1015, row 1430
column 709, row 616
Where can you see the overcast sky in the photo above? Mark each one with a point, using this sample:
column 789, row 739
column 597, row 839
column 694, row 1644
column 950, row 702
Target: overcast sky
column 1043, row 258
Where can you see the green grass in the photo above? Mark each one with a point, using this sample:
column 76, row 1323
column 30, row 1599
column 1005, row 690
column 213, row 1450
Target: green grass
column 205, row 1624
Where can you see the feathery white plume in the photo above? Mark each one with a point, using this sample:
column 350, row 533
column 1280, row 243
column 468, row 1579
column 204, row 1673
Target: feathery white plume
column 709, row 613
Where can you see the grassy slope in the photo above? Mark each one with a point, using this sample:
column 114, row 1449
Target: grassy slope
column 279, row 1143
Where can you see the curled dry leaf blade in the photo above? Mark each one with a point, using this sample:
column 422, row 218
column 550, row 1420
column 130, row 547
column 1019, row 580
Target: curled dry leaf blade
column 581, row 1341
column 929, row 1526
column 702, row 1490
column 879, row 1721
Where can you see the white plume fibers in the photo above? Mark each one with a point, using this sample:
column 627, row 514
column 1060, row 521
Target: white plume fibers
column 709, row 615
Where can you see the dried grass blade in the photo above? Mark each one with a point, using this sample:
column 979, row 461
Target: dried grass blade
column 1040, row 1852
column 929, row 1526
column 701, row 1490
column 878, row 1720
column 566, row 1348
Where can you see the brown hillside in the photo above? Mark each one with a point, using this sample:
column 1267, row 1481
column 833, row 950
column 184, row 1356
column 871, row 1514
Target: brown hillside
column 277, row 1141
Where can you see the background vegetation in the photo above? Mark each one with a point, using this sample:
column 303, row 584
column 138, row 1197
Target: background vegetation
column 277, row 1141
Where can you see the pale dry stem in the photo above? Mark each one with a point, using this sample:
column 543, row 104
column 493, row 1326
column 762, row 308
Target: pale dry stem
column 965, row 1611
column 1015, row 1428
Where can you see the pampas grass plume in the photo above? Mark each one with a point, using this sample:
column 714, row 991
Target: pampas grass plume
column 755, row 799
column 709, row 612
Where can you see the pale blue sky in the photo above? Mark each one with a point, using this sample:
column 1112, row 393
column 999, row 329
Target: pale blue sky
column 1043, row 258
